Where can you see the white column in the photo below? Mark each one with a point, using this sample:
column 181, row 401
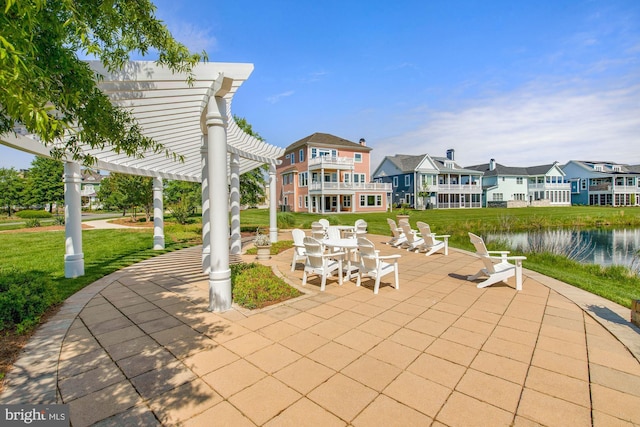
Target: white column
column 220, row 274
column 234, row 167
column 273, row 211
column 73, row 256
column 206, row 228
column 158, row 215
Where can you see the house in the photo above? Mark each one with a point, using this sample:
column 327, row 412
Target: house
column 324, row 173
column 507, row 186
column 600, row 183
column 424, row 182
column 89, row 185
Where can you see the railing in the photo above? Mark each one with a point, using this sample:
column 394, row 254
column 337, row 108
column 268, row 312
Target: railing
column 349, row 186
column 328, row 161
column 549, row 186
column 452, row 188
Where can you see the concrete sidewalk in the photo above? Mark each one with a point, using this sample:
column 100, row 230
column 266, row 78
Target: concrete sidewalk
column 139, row 348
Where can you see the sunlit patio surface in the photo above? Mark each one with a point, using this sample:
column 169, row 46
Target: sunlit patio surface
column 139, row 347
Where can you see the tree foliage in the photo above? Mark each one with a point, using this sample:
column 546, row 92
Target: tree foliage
column 44, row 184
column 11, row 187
column 48, row 89
column 252, row 183
column 130, row 192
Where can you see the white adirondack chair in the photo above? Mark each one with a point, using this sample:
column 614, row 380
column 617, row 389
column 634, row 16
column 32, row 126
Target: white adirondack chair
column 361, row 228
column 413, row 242
column 317, row 230
column 373, row 265
column 496, row 268
column 431, row 243
column 298, row 246
column 324, row 222
column 320, row 263
column 398, row 235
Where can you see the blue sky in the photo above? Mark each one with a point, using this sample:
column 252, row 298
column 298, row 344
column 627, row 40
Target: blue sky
column 525, row 82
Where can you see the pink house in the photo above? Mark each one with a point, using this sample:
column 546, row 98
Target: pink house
column 323, row 173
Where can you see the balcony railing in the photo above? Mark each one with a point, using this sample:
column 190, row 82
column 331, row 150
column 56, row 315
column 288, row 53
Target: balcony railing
column 349, row 186
column 331, row 162
column 452, row 188
column 549, row 186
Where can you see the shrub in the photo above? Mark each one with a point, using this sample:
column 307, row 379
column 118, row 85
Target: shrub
column 33, row 214
column 59, row 220
column 255, row 286
column 24, row 297
column 180, row 212
column 285, row 220
column 32, row 223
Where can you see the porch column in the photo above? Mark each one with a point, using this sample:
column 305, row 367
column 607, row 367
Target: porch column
column 234, row 169
column 219, row 274
column 73, row 255
column 273, row 211
column 206, row 228
column 158, row 215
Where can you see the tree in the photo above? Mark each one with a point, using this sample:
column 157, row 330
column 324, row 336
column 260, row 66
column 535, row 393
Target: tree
column 252, row 183
column 44, row 182
column 11, row 186
column 127, row 192
column 184, row 192
column 48, row 89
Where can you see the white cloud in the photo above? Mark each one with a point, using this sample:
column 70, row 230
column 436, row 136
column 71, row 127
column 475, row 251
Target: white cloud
column 195, row 38
column 276, row 98
column 534, row 125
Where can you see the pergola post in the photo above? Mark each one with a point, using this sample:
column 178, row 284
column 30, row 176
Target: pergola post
column 206, row 235
column 158, row 214
column 73, row 255
column 234, row 180
column 220, row 274
column 273, row 210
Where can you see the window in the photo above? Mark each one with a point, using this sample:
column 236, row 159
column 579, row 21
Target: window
column 583, row 184
column 317, row 152
column 497, row 197
column 303, row 179
column 306, row 201
column 370, row 200
column 301, row 155
column 346, row 201
column 293, row 158
column 358, row 178
column 299, row 201
column 519, row 180
column 395, row 181
column 347, row 177
column 357, row 157
column 407, row 180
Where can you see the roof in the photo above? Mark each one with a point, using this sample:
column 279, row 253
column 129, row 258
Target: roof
column 608, row 170
column 173, row 113
column 511, row 170
column 406, row 162
column 327, row 140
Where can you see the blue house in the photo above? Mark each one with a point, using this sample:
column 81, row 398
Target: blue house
column 600, row 183
column 424, row 182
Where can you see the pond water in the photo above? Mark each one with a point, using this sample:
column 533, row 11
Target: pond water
column 603, row 247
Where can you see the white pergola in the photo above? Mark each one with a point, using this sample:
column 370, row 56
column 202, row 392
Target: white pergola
column 193, row 121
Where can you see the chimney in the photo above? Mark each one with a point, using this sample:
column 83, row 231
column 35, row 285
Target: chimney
column 451, row 154
column 492, row 164
column 363, row 142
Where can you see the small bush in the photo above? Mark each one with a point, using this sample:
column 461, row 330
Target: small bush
column 32, row 223
column 180, row 212
column 24, row 297
column 285, row 220
column 33, row 214
column 255, row 286
column 59, row 220
column 276, row 247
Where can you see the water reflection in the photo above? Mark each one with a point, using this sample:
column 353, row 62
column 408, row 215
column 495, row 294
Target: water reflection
column 603, row 247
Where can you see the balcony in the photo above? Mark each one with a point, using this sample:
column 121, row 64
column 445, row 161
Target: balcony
column 452, row 188
column 549, row 186
column 347, row 187
column 328, row 162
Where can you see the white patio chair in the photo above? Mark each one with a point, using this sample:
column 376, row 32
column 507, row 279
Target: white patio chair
column 361, row 228
column 413, row 240
column 298, row 246
column 318, row 231
column 398, row 235
column 496, row 268
column 372, row 264
column 431, row 243
column 324, row 222
column 320, row 263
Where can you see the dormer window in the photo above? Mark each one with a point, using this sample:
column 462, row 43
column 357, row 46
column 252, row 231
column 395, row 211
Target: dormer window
column 598, row 167
column 449, row 165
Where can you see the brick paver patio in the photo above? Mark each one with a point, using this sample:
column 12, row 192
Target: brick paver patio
column 138, row 347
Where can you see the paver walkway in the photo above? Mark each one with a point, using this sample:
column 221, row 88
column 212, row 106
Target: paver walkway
column 139, row 348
